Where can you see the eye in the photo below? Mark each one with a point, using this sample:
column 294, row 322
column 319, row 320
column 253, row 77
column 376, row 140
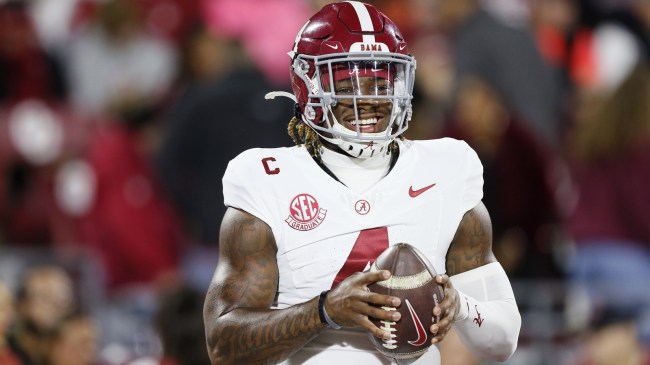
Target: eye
column 383, row 89
column 344, row 90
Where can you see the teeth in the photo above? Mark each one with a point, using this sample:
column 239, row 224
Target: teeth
column 369, row 121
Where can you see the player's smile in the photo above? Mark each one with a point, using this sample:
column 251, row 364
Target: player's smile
column 367, row 124
column 374, row 121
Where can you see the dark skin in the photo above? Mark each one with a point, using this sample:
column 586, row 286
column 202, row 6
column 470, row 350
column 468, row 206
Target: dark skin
column 367, row 108
column 242, row 329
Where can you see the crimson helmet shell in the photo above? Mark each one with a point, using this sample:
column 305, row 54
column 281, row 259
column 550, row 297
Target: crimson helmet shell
column 348, row 31
column 335, row 29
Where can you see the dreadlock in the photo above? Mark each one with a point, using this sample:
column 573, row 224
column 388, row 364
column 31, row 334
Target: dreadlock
column 302, row 134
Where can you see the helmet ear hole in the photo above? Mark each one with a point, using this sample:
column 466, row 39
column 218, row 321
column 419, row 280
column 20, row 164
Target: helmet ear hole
column 304, row 66
column 310, row 113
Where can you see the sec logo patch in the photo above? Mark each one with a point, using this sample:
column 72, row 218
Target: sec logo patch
column 305, row 213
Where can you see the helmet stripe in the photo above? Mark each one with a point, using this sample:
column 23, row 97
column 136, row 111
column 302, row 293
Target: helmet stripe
column 364, row 20
column 293, row 51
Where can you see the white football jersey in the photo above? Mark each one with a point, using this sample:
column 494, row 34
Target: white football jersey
column 324, row 231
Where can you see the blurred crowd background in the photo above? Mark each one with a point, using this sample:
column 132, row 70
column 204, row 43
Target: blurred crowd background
column 118, row 117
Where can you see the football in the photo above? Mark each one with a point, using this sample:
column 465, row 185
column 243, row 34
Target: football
column 413, row 281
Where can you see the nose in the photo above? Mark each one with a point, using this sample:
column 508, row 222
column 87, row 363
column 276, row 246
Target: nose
column 367, row 101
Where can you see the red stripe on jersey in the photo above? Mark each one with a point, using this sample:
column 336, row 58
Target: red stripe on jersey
column 369, row 245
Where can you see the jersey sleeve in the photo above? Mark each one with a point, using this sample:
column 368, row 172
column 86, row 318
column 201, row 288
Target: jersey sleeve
column 240, row 187
column 473, row 178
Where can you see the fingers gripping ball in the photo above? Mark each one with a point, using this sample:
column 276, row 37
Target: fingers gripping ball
column 412, row 280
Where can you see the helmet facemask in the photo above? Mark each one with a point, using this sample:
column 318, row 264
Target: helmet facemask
column 359, row 80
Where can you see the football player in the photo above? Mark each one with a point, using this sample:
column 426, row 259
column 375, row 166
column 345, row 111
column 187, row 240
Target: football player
column 304, row 223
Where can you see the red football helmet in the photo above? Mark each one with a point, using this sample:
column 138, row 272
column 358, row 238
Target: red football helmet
column 352, row 40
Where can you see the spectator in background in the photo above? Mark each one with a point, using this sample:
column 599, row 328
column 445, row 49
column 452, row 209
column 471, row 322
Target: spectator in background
column 7, row 356
column 115, row 62
column 261, row 44
column 26, row 69
column 560, row 38
column 32, row 88
column 517, row 181
column 610, row 152
column 611, row 43
column 35, row 137
column 434, row 81
column 518, row 190
column 120, row 74
column 179, row 323
column 508, row 58
column 222, row 100
column 130, row 223
column 169, row 19
column 45, row 296
column 186, row 172
column 553, row 22
column 130, row 227
column 74, row 341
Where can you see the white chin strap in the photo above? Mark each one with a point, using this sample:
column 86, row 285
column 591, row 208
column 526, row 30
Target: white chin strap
column 344, row 138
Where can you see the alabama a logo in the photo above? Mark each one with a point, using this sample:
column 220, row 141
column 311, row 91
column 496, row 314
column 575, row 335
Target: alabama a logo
column 304, row 213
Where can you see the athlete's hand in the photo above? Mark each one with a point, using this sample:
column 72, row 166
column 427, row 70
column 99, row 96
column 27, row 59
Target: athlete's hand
column 446, row 309
column 350, row 303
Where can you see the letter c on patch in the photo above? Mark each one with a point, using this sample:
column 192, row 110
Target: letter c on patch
column 267, row 168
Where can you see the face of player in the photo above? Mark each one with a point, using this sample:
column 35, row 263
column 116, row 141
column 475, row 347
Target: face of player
column 371, row 115
column 362, row 93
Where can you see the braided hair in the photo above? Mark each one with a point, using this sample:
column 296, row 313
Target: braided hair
column 302, row 134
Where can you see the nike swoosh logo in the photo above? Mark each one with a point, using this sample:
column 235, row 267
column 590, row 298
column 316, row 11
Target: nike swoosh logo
column 332, row 46
column 402, row 47
column 422, row 334
column 415, row 193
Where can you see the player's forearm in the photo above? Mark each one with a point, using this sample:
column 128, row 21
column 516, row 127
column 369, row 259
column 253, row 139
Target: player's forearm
column 491, row 329
column 251, row 336
column 488, row 321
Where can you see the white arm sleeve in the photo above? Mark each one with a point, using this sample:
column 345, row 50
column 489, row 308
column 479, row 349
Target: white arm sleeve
column 488, row 321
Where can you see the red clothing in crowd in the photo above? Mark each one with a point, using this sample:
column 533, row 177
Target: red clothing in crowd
column 613, row 199
column 8, row 358
column 517, row 190
column 131, row 224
